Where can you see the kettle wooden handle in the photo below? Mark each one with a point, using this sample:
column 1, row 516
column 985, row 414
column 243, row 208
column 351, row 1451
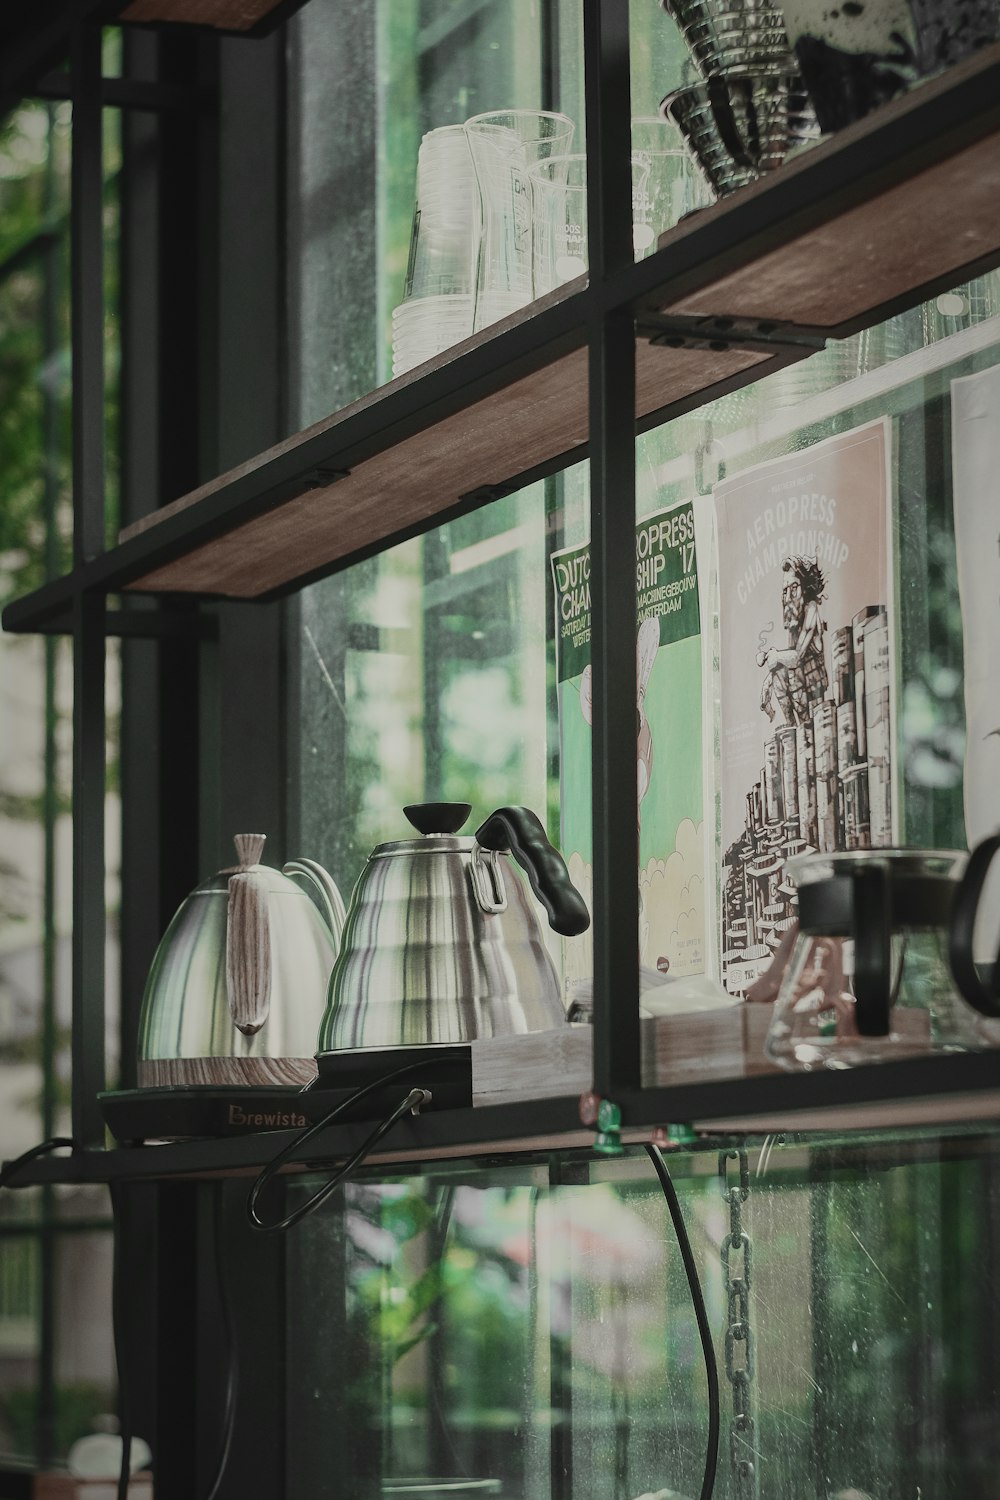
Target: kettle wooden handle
column 248, row 951
column 519, row 830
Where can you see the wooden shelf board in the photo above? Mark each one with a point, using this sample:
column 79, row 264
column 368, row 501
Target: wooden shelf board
column 337, row 433
column 860, row 222
column 394, row 492
column 706, row 1070
column 902, row 200
column 423, row 478
column 874, row 254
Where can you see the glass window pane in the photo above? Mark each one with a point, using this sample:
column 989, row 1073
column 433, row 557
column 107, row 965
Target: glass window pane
column 747, row 463
column 35, row 679
column 85, row 1382
column 50, row 1391
column 418, row 66
column 528, row 1328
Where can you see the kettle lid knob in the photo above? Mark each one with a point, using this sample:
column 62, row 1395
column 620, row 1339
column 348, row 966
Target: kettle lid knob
column 249, row 848
column 437, row 817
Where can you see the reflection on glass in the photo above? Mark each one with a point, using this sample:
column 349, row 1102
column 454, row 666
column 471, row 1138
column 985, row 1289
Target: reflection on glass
column 902, row 372
column 528, row 1329
column 56, row 1369
column 422, row 678
column 457, row 667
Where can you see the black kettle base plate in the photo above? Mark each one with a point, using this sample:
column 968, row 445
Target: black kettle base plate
column 444, row 1068
column 208, row 1111
column 173, row 1112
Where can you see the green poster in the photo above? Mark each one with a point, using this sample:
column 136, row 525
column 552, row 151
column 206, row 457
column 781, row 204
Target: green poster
column 669, row 749
column 668, row 743
column 571, row 579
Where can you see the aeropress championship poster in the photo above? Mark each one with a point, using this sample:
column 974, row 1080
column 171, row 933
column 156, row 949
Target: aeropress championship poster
column 806, row 660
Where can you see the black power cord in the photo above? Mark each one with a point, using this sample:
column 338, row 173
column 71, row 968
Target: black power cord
column 11, row 1168
column 119, row 1198
column 701, row 1315
column 232, row 1367
column 412, row 1103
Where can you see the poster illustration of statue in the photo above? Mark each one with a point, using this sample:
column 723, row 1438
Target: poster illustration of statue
column 806, row 662
column 668, row 742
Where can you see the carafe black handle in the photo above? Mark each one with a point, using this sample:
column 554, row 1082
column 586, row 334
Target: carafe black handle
column 872, row 925
column 983, row 995
column 518, row 830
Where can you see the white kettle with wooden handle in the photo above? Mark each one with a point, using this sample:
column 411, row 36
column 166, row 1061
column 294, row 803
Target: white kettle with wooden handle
column 237, row 988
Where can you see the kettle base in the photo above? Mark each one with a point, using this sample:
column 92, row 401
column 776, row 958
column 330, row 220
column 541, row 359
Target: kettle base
column 445, row 1069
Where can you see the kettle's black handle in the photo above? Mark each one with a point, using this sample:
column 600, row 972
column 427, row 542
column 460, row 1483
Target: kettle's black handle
column 984, row 996
column 872, row 926
column 518, row 830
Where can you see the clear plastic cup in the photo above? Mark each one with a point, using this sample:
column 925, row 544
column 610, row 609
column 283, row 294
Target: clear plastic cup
column 505, row 145
column 445, row 221
column 559, row 208
column 675, row 187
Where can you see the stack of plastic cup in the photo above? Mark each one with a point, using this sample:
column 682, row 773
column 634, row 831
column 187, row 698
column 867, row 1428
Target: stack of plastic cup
column 505, row 145
column 426, row 326
column 439, row 298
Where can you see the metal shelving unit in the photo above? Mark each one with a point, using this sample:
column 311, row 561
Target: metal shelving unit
column 849, row 232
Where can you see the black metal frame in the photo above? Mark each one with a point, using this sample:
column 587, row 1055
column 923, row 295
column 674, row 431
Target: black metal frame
column 603, row 316
column 34, row 39
column 89, row 729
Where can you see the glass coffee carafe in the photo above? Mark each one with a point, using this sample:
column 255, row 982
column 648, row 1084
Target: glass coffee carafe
column 868, row 978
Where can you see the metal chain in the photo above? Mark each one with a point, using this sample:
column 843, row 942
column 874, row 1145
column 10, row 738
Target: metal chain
column 739, row 1348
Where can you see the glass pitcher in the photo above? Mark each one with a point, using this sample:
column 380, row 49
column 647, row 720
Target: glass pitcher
column 868, row 978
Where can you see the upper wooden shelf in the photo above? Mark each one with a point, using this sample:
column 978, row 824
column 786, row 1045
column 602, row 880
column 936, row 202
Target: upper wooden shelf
column 889, row 211
column 901, row 203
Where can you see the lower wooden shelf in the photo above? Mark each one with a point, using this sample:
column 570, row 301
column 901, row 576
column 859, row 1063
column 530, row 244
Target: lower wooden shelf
column 707, row 1073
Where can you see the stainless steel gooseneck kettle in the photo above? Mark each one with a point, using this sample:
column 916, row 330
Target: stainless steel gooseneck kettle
column 237, row 987
column 442, row 943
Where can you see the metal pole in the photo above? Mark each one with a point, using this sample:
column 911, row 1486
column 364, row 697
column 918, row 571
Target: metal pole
column 51, row 262
column 87, row 271
column 87, row 282
column 88, row 869
column 612, row 502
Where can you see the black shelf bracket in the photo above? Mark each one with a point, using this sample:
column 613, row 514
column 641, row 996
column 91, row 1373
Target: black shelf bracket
column 319, row 478
column 721, row 333
column 485, row 494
